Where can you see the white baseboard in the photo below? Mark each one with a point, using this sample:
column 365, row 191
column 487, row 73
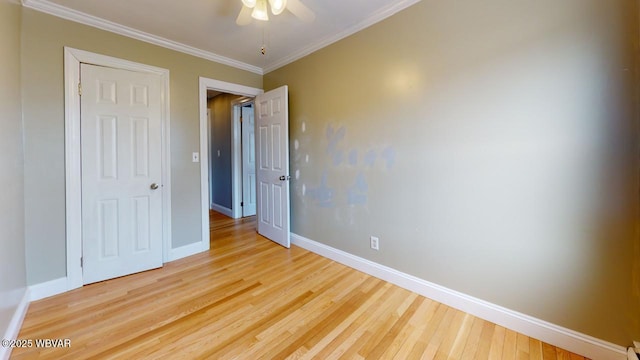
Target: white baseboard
column 49, row 288
column 223, row 210
column 187, row 250
column 16, row 323
column 567, row 339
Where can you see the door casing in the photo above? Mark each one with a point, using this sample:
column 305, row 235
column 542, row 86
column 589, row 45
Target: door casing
column 73, row 214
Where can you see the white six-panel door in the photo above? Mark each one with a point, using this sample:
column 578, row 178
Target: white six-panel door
column 121, row 172
column 248, row 162
column 272, row 142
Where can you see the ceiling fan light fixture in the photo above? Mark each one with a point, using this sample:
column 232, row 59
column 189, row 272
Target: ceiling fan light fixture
column 278, row 6
column 260, row 11
column 249, row 3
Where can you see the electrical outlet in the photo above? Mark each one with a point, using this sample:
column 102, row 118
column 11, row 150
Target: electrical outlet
column 195, row 157
column 375, row 243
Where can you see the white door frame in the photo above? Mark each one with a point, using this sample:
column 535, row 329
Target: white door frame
column 210, row 155
column 73, row 172
column 226, row 87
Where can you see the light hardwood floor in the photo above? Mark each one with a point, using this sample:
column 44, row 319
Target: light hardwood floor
column 249, row 298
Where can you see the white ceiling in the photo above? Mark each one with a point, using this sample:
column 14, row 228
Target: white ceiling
column 207, row 28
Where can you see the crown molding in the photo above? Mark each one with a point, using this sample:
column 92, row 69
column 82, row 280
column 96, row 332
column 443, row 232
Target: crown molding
column 376, row 17
column 86, row 19
column 50, row 8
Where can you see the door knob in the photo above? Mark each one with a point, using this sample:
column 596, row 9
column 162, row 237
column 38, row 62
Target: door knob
column 154, row 186
column 283, row 178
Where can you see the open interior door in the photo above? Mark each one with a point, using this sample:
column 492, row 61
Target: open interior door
column 248, row 161
column 272, row 140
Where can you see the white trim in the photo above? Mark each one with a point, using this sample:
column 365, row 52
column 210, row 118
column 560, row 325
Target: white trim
column 73, row 173
column 49, row 288
column 226, row 87
column 187, row 250
column 573, row 341
column 210, row 152
column 60, row 11
column 15, row 324
column 223, row 210
column 73, row 213
column 376, row 17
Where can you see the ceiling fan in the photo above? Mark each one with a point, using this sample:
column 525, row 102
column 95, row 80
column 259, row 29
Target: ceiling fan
column 258, row 9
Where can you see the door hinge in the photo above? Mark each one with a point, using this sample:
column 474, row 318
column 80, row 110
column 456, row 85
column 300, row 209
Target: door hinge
column 241, row 203
column 80, row 89
column 81, row 263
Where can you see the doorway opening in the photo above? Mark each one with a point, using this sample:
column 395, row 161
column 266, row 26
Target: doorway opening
column 231, row 152
column 221, row 148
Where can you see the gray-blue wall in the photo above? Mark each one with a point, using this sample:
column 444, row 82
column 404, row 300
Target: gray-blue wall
column 13, row 278
column 491, row 145
column 221, row 108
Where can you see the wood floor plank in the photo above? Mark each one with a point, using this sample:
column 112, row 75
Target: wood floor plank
column 436, row 335
column 415, row 328
column 484, row 343
column 548, row 352
column 322, row 347
column 510, row 344
column 535, row 349
column 454, row 328
column 497, row 343
column 522, row 347
column 248, row 298
column 457, row 348
column 383, row 345
column 357, row 333
column 473, row 340
column 428, row 330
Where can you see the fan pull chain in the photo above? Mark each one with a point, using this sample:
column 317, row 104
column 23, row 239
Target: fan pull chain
column 263, row 49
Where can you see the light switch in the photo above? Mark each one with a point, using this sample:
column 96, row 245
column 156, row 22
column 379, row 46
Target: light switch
column 195, row 157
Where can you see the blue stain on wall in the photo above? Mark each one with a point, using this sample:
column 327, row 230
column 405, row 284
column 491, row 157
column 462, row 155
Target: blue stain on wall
column 323, row 194
column 334, row 137
column 389, row 154
column 353, row 157
column 338, row 157
column 357, row 193
column 370, row 158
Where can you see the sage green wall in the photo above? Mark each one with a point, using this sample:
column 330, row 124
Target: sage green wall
column 13, row 280
column 491, row 145
column 43, row 39
column 221, row 141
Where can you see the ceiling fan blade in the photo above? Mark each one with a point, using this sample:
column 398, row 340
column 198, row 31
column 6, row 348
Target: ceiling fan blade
column 244, row 18
column 301, row 10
